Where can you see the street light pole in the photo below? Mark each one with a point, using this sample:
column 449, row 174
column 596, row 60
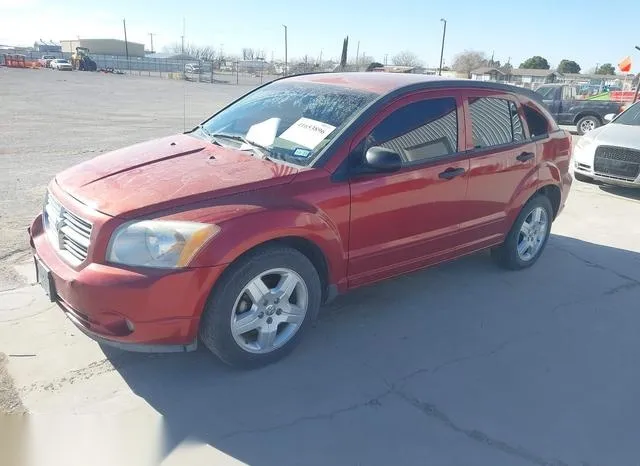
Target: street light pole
column 635, row 97
column 285, row 51
column 444, row 34
column 126, row 44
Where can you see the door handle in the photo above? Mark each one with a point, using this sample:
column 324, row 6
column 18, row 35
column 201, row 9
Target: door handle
column 451, row 173
column 525, row 156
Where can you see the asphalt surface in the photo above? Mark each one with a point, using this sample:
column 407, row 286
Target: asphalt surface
column 461, row 364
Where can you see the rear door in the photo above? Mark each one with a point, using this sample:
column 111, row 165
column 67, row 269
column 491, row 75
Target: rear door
column 502, row 162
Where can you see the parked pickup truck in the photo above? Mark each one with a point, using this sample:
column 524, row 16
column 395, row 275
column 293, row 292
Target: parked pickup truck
column 563, row 103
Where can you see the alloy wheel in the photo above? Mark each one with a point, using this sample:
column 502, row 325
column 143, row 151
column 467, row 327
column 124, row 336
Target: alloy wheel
column 533, row 233
column 269, row 310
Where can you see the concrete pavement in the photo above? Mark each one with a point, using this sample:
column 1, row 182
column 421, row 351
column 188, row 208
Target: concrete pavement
column 459, row 364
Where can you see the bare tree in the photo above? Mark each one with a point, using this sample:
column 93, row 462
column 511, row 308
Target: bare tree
column 469, row 60
column 406, row 58
column 206, row 53
column 248, row 53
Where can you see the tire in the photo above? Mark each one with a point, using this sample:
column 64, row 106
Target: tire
column 230, row 294
column 587, row 123
column 507, row 254
column 582, row 178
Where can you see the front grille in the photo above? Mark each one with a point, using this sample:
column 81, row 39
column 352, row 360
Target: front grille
column 617, row 162
column 68, row 233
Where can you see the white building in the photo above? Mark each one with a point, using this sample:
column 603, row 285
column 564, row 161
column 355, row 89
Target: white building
column 113, row 47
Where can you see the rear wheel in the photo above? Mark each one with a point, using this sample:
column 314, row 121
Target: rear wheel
column 528, row 236
column 587, row 123
column 261, row 307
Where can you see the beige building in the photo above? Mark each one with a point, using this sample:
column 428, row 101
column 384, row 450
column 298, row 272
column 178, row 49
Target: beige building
column 114, row 47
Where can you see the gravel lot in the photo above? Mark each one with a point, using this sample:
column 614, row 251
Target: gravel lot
column 459, row 364
column 51, row 120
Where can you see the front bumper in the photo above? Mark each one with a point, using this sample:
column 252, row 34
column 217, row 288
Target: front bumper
column 584, row 166
column 133, row 309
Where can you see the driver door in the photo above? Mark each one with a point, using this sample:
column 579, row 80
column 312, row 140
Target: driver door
column 404, row 220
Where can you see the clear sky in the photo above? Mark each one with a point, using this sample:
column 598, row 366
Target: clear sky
column 587, row 31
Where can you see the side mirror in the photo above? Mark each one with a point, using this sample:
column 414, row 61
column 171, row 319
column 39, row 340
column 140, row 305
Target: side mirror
column 383, row 160
column 609, row 117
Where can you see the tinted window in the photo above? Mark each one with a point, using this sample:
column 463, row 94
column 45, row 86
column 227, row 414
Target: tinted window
column 546, row 92
column 420, row 131
column 569, row 92
column 494, row 122
column 538, row 125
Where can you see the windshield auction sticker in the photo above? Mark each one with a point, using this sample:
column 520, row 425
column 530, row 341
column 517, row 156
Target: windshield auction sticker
column 307, row 132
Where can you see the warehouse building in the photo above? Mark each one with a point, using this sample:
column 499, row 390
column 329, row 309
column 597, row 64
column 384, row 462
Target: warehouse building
column 114, row 47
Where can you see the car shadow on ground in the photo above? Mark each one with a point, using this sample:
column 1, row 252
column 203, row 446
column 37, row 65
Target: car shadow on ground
column 511, row 336
column 628, row 193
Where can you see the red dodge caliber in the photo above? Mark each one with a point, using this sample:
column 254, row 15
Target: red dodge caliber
column 236, row 232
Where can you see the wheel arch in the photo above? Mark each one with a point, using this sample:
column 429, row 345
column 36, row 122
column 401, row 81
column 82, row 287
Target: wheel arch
column 553, row 193
column 310, row 249
column 586, row 113
column 307, row 232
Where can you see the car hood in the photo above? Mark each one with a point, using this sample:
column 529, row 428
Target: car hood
column 166, row 173
column 616, row 135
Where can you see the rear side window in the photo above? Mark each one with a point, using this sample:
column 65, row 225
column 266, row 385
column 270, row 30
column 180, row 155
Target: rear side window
column 420, row 131
column 494, row 122
column 537, row 123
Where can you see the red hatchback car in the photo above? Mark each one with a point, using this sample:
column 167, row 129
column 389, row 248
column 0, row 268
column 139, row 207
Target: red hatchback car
column 237, row 231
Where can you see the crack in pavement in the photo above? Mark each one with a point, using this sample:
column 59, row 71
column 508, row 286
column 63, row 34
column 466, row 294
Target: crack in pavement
column 426, row 408
column 372, row 402
column 460, row 359
column 85, row 373
column 432, row 411
column 94, row 369
column 590, row 263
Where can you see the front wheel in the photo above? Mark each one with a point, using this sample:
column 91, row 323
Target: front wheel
column 586, row 124
column 528, row 236
column 261, row 307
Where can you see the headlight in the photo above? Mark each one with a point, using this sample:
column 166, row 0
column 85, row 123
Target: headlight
column 158, row 243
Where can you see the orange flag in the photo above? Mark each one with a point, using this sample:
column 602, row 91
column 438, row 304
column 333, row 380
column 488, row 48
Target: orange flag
column 625, row 65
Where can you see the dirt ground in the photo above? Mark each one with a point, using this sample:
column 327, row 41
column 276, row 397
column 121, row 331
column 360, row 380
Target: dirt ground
column 51, row 120
column 459, row 364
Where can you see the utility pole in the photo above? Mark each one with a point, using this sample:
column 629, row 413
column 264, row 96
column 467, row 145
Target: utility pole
column 126, row 44
column 635, row 97
column 444, row 34
column 182, row 38
column 385, row 58
column 320, row 60
column 357, row 55
column 151, row 35
column 286, row 58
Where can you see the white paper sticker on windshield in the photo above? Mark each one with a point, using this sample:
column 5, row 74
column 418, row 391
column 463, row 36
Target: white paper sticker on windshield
column 307, row 132
column 263, row 133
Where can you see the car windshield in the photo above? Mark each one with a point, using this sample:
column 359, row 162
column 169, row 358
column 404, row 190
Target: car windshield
column 293, row 121
column 630, row 116
column 546, row 92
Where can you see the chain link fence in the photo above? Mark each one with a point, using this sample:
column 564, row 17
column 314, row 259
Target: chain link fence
column 237, row 72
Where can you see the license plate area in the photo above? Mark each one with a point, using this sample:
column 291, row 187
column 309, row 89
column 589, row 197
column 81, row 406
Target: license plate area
column 45, row 279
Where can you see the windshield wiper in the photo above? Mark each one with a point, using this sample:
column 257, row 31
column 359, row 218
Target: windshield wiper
column 262, row 151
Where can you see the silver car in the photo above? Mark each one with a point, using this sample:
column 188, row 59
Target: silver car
column 611, row 153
